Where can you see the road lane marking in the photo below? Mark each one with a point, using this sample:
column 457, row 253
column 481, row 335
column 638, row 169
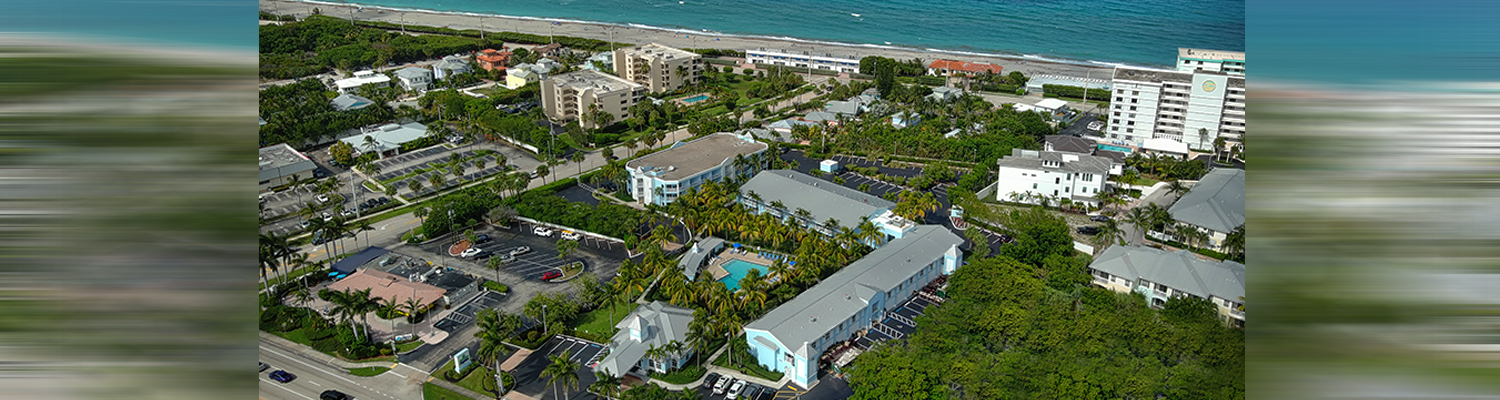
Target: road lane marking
column 315, row 383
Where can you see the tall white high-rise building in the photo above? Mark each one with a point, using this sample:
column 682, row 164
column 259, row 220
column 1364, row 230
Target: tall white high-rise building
column 1202, row 100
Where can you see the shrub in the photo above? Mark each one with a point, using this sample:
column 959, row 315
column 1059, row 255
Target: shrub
column 1076, row 92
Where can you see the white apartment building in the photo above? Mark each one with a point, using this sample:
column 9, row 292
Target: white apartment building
column 1194, row 106
column 658, row 178
column 1076, row 177
column 656, row 66
column 1229, row 62
column 570, row 96
column 803, row 59
column 1160, row 276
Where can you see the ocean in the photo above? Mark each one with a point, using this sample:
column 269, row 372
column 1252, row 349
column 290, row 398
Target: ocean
column 1134, row 32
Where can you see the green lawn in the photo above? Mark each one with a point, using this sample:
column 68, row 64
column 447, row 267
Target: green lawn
column 435, row 392
column 741, row 365
column 368, row 371
column 598, row 323
column 473, row 381
column 682, row 376
column 496, row 286
column 409, row 346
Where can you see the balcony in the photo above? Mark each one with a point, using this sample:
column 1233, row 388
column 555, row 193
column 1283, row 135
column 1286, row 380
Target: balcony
column 1237, row 313
column 1101, row 281
column 1159, row 293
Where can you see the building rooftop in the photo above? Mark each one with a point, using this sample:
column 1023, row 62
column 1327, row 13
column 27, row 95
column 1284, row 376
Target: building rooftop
column 847, row 107
column 955, row 65
column 656, row 50
column 387, row 137
column 831, row 302
column 1217, row 202
column 281, row 156
column 598, row 81
column 361, row 78
column 1183, row 52
column 822, row 198
column 695, row 255
column 452, row 63
column 1051, row 104
column 1181, row 270
column 1165, row 145
column 1152, row 75
column 788, row 124
column 384, row 285
column 1070, row 144
column 346, row 102
column 1067, row 162
column 413, row 72
column 821, row 116
column 690, row 158
column 660, row 322
column 803, row 53
column 772, row 135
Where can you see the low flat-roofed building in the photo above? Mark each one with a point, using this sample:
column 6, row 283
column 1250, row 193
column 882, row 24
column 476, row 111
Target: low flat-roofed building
column 570, row 96
column 280, row 163
column 792, row 337
column 658, row 178
column 794, row 58
column 1160, row 275
column 1215, row 205
column 362, row 78
column 388, row 138
column 384, row 285
column 1165, row 147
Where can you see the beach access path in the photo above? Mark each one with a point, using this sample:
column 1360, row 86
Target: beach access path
column 648, row 35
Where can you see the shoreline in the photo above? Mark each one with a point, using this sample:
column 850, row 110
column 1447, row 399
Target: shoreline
column 682, row 38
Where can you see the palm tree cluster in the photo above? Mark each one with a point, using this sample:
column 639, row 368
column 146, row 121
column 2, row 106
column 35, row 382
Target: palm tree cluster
column 1167, row 168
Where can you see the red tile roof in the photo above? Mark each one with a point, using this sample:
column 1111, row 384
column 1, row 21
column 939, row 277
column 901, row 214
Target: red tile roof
column 976, row 67
column 947, row 64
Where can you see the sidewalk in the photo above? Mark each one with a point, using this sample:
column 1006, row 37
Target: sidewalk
column 292, row 347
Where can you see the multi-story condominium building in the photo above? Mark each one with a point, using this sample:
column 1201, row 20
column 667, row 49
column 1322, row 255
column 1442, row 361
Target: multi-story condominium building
column 803, row 59
column 812, row 203
column 362, row 78
column 1160, row 275
column 1214, row 206
column 652, row 325
column 280, row 163
column 658, row 178
column 1027, row 175
column 659, row 68
column 1194, row 107
column 1229, row 62
column 791, row 338
column 573, row 96
column 414, row 78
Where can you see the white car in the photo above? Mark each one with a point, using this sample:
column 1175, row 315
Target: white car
column 722, row 384
column 322, row 198
column 734, row 391
column 327, row 217
column 570, row 235
column 470, row 252
column 520, row 250
column 542, row 231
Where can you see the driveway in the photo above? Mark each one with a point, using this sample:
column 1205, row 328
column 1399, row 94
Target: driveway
column 528, row 374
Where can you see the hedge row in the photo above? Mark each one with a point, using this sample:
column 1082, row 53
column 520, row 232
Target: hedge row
column 1076, row 92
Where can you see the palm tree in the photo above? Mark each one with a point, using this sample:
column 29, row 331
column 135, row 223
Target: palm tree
column 565, row 247
column 1109, row 234
column 1138, row 218
column 561, row 371
column 411, row 306
column 1234, row 243
column 1176, row 188
column 414, row 186
column 492, row 335
column 578, row 158
column 542, row 171
column 606, row 385
column 436, row 180
column 364, row 226
column 630, row 144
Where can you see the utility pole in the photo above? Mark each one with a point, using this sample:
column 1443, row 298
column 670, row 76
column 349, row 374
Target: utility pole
column 403, row 22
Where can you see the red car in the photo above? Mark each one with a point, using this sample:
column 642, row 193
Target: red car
column 550, row 275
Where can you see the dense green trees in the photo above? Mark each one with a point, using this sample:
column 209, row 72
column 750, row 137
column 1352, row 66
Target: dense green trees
column 608, row 218
column 302, row 112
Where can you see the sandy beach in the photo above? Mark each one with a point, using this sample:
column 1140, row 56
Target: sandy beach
column 667, row 37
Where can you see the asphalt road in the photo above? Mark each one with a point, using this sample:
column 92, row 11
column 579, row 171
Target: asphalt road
column 313, row 377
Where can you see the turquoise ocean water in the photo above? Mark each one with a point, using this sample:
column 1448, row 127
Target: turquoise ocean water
column 1138, row 32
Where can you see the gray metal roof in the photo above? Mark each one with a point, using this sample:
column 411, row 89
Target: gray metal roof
column 346, row 102
column 452, row 63
column 1032, row 159
column 820, row 116
column 693, row 259
column 664, row 323
column 831, row 302
column 387, row 137
column 413, row 72
column 282, row 160
column 691, row 158
column 1181, row 270
column 770, row 135
column 822, row 198
column 1217, row 202
column 788, row 124
column 849, row 107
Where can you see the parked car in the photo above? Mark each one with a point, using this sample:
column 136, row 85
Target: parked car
column 483, row 254
column 282, row 376
column 264, row 366
column 327, row 217
column 542, row 231
column 734, row 391
column 306, row 223
column 570, row 235
column 1088, row 230
column 1098, row 218
column 322, row 198
column 334, row 395
column 722, row 384
column 470, row 252
column 482, row 239
column 520, row 250
column 550, row 275
column 712, row 377
column 348, row 213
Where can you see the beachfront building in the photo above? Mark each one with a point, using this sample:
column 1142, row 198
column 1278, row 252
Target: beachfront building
column 449, row 66
column 1164, row 147
column 1194, row 107
column 943, row 67
column 1078, row 145
column 549, row 50
column 385, row 140
column 813, row 203
column 572, row 96
column 1229, row 62
column 1160, row 276
column 350, row 102
column 803, row 59
column 791, row 338
column 654, row 325
column 362, row 78
column 1028, row 175
column 659, row 68
column 1214, row 206
column 281, row 163
column 414, row 79
column 491, row 59
column 658, row 178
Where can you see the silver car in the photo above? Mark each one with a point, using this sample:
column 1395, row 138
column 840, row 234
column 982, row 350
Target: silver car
column 722, row 384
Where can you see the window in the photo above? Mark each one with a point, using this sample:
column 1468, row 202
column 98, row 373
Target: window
column 1134, row 101
column 1116, row 120
column 1058, row 181
column 1132, row 108
column 1129, row 130
column 1065, row 189
column 1137, row 93
column 1033, row 185
column 1119, row 98
column 1130, row 123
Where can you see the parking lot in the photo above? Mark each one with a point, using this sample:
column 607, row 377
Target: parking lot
column 427, row 159
column 528, row 373
column 750, row 391
column 601, row 257
column 466, row 313
column 284, row 206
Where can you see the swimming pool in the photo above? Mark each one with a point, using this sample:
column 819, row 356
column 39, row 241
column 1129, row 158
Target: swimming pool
column 695, row 99
column 1114, row 148
column 737, row 270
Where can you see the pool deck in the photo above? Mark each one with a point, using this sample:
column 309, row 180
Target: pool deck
column 716, row 265
column 683, row 100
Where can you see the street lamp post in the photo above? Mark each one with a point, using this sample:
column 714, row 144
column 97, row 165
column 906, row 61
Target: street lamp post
column 544, row 319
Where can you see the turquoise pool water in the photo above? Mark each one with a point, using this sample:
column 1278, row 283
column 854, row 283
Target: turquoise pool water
column 1114, row 148
column 737, row 270
column 695, row 99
